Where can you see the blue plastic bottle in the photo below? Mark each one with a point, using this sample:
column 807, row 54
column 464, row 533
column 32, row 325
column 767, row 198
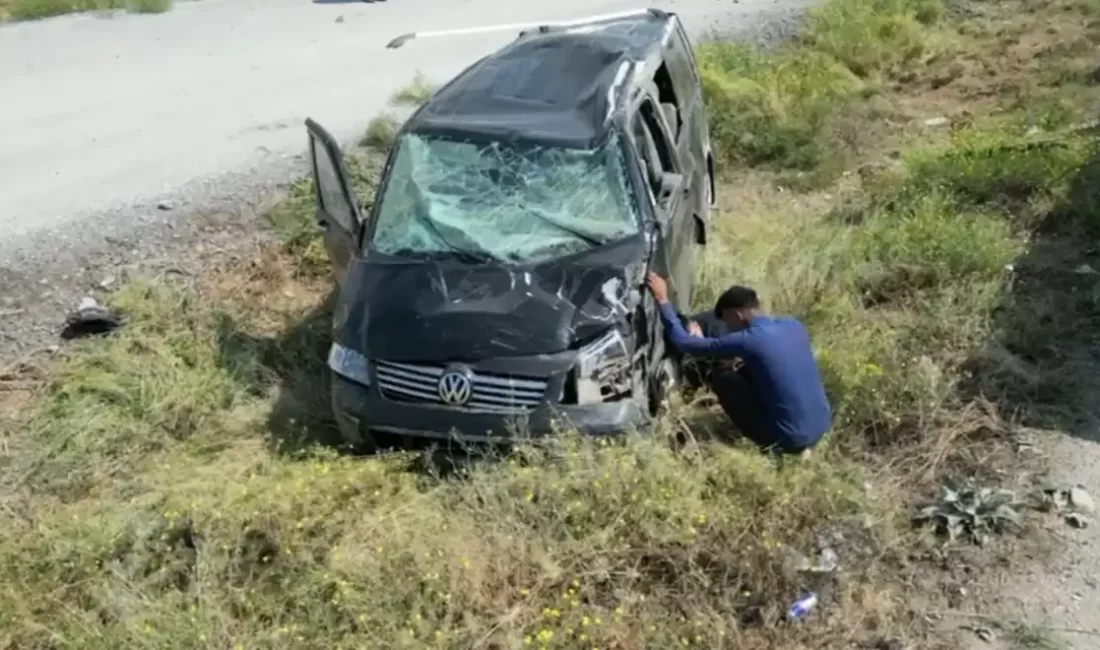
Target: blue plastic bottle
column 803, row 606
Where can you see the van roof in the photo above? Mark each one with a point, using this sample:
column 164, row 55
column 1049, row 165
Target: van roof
column 560, row 87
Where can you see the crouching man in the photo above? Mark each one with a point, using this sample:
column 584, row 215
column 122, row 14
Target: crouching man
column 765, row 375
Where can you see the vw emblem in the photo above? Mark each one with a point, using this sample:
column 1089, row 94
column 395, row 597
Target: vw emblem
column 456, row 387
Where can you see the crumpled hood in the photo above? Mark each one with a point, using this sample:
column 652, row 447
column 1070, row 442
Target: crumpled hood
column 441, row 311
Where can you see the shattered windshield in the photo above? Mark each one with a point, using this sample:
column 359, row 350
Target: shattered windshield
column 502, row 201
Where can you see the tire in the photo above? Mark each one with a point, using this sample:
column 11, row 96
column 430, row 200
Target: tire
column 660, row 387
column 365, row 445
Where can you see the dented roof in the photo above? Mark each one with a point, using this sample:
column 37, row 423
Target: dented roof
column 555, row 86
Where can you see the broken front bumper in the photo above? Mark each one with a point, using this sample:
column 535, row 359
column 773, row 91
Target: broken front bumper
column 360, row 410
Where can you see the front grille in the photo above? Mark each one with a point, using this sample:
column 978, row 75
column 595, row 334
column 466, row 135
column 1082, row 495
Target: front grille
column 403, row 382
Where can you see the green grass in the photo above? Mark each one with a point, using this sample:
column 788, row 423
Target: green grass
column 801, row 105
column 415, row 93
column 381, row 133
column 171, row 488
column 1027, row 637
column 38, row 9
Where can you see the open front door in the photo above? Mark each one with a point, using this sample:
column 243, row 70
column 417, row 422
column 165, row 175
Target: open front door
column 338, row 211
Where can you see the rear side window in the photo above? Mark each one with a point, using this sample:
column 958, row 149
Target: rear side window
column 682, row 77
column 672, row 107
column 680, row 57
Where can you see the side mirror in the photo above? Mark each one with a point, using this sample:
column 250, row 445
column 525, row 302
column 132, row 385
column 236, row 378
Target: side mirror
column 671, row 184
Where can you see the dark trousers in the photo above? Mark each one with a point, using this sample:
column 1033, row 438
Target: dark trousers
column 733, row 388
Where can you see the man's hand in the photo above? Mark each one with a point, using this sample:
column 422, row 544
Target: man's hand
column 658, row 286
column 735, row 364
column 694, row 329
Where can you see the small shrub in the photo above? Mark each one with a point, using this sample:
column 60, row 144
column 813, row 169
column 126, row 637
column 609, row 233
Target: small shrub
column 157, row 384
column 416, row 93
column 922, row 242
column 780, row 107
column 872, row 37
column 771, row 109
column 294, row 217
column 148, row 6
column 995, row 164
column 381, row 132
column 38, row 9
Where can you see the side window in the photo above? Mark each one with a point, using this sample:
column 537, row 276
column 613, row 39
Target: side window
column 671, row 103
column 665, row 155
column 653, row 146
column 330, row 187
column 680, row 57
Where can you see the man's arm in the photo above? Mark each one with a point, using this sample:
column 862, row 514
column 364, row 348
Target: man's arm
column 730, row 345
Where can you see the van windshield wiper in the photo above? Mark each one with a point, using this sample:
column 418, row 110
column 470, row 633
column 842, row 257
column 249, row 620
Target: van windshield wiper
column 463, row 255
column 471, row 257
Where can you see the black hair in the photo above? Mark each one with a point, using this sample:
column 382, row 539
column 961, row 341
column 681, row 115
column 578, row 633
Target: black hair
column 736, row 297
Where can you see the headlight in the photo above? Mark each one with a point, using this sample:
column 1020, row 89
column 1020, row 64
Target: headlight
column 603, row 369
column 349, row 364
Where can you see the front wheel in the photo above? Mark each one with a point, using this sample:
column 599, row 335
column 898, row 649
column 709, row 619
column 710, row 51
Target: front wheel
column 660, row 387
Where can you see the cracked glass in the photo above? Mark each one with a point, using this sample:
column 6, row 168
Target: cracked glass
column 503, row 201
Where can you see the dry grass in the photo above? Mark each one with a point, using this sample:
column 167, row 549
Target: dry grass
column 171, row 488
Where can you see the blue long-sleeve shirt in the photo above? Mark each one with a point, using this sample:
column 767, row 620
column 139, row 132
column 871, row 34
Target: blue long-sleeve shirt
column 784, row 373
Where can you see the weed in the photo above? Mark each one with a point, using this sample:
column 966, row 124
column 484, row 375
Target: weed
column 381, row 132
column 788, row 107
column 877, row 37
column 38, row 9
column 294, row 217
column 1001, row 163
column 1034, row 637
column 414, row 94
column 148, row 6
column 772, row 108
